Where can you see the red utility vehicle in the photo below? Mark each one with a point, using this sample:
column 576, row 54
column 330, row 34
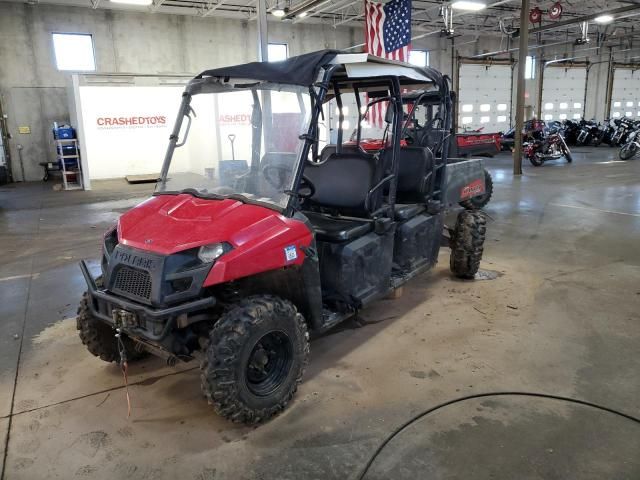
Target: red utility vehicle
column 245, row 250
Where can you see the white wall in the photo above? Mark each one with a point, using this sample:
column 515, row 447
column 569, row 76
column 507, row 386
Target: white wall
column 34, row 93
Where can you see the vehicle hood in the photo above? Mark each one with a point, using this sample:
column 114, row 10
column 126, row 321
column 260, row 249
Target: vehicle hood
column 167, row 224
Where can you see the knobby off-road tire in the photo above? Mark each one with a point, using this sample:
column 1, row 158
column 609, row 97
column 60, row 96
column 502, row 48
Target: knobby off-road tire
column 255, row 359
column 467, row 243
column 480, row 201
column 98, row 337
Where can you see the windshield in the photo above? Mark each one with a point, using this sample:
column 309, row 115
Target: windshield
column 240, row 141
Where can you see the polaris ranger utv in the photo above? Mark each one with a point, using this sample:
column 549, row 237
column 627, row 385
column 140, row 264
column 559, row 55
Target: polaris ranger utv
column 244, row 252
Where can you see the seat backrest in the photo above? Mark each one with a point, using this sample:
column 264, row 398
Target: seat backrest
column 343, row 181
column 415, row 163
column 331, row 149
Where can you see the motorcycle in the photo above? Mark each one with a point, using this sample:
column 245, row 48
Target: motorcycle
column 570, row 131
column 591, row 133
column 608, row 129
column 543, row 143
column 622, row 129
column 631, row 148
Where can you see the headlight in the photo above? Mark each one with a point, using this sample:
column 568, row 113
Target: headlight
column 209, row 253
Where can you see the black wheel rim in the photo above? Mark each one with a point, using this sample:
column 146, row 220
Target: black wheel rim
column 269, row 363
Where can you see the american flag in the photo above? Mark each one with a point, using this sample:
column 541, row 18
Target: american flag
column 388, row 35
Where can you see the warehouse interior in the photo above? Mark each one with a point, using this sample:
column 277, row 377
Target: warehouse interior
column 529, row 370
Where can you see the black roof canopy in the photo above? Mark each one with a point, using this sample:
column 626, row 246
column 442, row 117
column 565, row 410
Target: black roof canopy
column 303, row 70
column 299, row 70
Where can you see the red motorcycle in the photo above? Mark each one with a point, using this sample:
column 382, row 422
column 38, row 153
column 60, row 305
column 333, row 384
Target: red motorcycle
column 543, row 142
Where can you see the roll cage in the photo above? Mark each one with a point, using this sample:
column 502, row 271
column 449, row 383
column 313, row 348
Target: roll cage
column 327, row 75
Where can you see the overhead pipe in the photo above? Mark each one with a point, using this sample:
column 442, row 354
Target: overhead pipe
column 585, row 18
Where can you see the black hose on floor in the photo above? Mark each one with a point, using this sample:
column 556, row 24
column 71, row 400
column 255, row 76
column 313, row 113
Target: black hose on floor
column 423, row 414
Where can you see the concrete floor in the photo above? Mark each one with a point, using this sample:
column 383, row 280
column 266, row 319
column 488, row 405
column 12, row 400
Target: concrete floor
column 562, row 317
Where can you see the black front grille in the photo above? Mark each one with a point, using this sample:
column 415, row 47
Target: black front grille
column 133, row 281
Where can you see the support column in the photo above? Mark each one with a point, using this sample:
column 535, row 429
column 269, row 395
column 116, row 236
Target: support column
column 522, row 60
column 263, row 55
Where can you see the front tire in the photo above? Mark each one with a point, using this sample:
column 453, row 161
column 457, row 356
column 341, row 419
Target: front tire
column 476, row 203
column 99, row 338
column 567, row 156
column 535, row 161
column 467, row 243
column 628, row 151
column 255, row 359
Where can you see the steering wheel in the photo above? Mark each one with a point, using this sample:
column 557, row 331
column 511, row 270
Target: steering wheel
column 282, row 172
column 305, row 183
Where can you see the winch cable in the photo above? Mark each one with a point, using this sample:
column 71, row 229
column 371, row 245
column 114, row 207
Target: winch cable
column 124, row 366
column 424, row 413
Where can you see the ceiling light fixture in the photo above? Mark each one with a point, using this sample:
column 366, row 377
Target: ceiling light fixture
column 468, row 5
column 302, row 14
column 278, row 12
column 134, row 2
column 603, row 19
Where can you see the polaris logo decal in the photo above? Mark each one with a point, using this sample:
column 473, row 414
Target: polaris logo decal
column 135, row 260
column 472, row 189
column 290, row 253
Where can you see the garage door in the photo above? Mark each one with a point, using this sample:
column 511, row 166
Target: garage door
column 484, row 99
column 625, row 96
column 563, row 93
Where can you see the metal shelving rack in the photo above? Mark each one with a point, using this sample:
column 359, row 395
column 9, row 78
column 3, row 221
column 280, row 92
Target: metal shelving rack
column 71, row 174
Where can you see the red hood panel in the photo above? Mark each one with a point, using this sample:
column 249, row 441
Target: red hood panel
column 168, row 224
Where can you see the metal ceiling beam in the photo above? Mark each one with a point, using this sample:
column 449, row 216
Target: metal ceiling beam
column 208, row 11
column 339, row 5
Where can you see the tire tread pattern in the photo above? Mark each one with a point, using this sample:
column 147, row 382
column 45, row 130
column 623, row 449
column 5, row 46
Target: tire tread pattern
column 98, row 337
column 218, row 373
column 467, row 243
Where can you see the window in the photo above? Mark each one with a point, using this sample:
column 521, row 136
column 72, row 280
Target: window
column 467, row 120
column 502, row 118
column 420, row 58
column 629, row 104
column 548, row 106
column 74, row 51
column 576, row 116
column 277, row 52
column 628, row 114
column 564, row 106
column 467, row 108
column 548, row 116
column 577, row 105
column 530, row 68
column 616, row 114
column 617, row 104
column 563, row 116
column 502, row 107
column 485, row 107
column 485, row 119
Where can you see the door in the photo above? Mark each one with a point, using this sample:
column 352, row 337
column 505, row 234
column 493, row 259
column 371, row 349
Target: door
column 625, row 95
column 563, row 91
column 484, row 99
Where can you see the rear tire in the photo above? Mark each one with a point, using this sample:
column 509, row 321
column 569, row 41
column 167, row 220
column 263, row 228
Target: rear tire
column 99, row 338
column 480, row 201
column 255, row 359
column 467, row 243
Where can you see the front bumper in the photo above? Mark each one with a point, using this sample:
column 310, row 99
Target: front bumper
column 150, row 323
